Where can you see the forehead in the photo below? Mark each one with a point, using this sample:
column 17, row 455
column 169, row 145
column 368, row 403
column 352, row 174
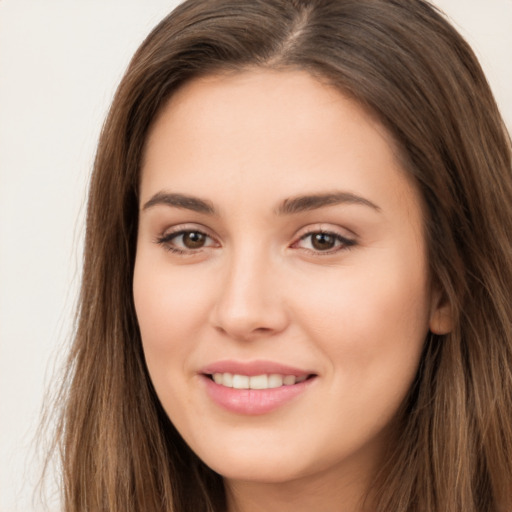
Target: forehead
column 266, row 100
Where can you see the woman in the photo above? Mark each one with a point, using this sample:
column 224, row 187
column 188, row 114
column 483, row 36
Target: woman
column 296, row 289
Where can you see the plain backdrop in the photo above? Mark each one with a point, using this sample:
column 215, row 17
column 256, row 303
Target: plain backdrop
column 60, row 61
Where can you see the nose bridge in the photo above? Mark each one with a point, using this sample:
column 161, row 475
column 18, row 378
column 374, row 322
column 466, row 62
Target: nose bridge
column 249, row 302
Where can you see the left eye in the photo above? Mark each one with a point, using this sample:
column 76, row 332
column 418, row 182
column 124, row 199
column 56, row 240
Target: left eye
column 321, row 241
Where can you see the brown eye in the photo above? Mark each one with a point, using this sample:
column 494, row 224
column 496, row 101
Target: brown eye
column 186, row 241
column 323, row 241
column 193, row 239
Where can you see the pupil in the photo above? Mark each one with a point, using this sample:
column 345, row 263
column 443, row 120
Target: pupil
column 323, row 241
column 193, row 240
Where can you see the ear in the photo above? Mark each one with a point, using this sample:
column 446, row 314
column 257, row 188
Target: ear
column 441, row 314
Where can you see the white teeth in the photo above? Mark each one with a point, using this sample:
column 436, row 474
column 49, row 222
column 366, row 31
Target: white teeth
column 263, row 381
column 227, row 380
column 258, row 382
column 240, row 381
column 275, row 381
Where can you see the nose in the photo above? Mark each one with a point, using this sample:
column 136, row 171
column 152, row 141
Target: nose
column 250, row 300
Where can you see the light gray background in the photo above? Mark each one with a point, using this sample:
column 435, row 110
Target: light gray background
column 60, row 61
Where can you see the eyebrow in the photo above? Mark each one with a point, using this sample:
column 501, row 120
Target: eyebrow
column 181, row 201
column 312, row 202
column 287, row 207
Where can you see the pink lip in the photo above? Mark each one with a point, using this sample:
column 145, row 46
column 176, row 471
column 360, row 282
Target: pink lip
column 253, row 401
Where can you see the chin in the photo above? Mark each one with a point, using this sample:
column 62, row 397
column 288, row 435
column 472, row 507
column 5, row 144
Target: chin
column 260, row 471
column 256, row 461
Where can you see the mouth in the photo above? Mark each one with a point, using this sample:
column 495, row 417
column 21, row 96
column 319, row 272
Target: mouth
column 257, row 382
column 257, row 387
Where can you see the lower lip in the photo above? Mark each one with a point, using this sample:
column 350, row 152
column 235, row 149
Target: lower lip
column 254, row 401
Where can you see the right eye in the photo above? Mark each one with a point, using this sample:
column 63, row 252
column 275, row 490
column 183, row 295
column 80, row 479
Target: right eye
column 186, row 241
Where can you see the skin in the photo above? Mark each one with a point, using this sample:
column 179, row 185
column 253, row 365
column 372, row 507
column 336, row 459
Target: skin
column 355, row 315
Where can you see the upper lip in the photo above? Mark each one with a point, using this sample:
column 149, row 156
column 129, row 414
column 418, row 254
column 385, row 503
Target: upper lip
column 252, row 368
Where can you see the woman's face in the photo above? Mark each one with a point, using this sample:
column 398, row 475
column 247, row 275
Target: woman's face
column 280, row 249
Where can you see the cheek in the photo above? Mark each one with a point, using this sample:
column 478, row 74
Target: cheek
column 372, row 320
column 170, row 310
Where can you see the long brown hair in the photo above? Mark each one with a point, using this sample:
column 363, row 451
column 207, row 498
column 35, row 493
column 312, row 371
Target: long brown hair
column 404, row 62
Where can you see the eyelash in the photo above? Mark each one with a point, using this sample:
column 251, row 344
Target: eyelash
column 343, row 243
column 167, row 239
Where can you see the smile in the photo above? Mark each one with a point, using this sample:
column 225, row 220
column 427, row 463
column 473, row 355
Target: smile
column 264, row 381
column 254, row 388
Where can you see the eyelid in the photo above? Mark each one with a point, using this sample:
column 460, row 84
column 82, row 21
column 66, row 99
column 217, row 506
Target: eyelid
column 325, row 227
column 346, row 241
column 166, row 237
